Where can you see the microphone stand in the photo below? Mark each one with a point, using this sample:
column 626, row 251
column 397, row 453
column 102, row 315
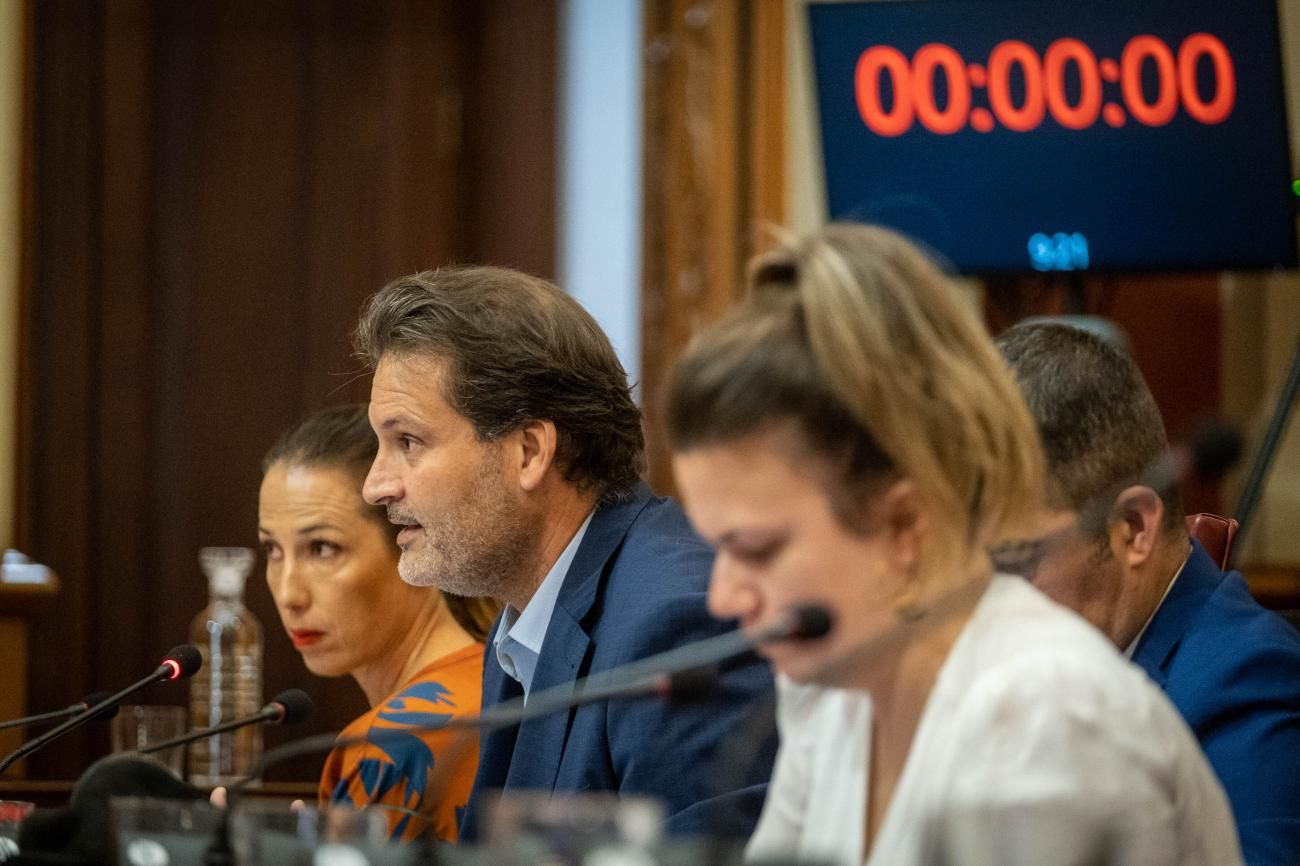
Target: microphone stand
column 504, row 715
column 166, row 671
column 1254, row 484
column 659, row 674
column 680, row 669
column 41, row 718
column 263, row 715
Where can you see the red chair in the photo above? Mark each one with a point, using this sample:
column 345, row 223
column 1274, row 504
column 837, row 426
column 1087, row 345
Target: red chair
column 1215, row 534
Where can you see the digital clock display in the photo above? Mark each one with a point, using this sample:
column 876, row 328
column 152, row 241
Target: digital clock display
column 1016, row 135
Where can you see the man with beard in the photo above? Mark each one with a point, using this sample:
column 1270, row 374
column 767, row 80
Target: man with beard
column 510, row 453
column 1115, row 548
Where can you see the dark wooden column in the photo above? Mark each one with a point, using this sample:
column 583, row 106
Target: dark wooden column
column 714, row 173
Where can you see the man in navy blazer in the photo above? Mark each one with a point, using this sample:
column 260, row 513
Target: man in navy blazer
column 1115, row 548
column 510, row 453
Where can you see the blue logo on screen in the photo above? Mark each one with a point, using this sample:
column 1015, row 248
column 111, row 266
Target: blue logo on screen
column 1058, row 252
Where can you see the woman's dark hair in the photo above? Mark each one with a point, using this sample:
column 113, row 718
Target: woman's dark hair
column 340, row 437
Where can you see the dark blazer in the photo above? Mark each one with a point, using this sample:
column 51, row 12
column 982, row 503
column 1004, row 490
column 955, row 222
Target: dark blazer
column 636, row 587
column 1232, row 669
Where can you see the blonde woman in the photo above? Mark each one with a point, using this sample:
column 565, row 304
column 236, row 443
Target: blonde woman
column 851, row 437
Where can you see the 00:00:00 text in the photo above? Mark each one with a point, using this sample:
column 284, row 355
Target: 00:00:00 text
column 1044, row 85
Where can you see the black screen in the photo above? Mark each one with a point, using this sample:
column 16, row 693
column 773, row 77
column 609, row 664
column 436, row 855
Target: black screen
column 1013, row 135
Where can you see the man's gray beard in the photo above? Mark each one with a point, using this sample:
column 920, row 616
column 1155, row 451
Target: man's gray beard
column 485, row 550
column 459, row 568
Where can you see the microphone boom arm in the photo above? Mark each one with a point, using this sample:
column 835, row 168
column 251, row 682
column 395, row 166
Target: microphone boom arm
column 43, row 717
column 182, row 662
column 265, row 714
column 80, row 719
column 648, row 675
column 645, row 676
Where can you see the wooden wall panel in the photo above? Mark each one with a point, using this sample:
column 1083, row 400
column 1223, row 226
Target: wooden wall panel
column 13, row 646
column 510, row 130
column 217, row 188
column 714, row 174
column 57, row 500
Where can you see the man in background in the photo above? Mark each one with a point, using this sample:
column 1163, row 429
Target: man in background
column 510, row 453
column 1114, row 547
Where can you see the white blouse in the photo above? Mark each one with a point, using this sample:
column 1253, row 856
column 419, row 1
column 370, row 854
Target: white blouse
column 1038, row 745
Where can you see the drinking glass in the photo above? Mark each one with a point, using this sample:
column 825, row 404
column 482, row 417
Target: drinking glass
column 149, row 831
column 269, row 831
column 137, row 727
column 573, row 828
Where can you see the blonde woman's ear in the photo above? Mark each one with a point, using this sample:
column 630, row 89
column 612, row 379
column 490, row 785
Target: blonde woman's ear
column 900, row 513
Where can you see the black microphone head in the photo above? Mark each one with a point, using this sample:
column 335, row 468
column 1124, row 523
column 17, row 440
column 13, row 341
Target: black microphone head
column 81, row 832
column 128, row 774
column 1215, row 448
column 809, row 622
column 105, row 714
column 184, row 661
column 292, row 705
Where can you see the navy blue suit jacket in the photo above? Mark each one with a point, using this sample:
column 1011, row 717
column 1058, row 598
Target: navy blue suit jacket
column 1232, row 669
column 636, row 587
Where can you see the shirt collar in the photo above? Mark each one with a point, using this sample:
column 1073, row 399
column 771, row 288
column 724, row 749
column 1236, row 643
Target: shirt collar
column 1128, row 653
column 518, row 641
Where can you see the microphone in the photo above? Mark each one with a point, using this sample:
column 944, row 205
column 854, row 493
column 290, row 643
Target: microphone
column 671, row 669
column 83, row 827
column 183, row 661
column 682, row 686
column 1215, row 447
column 80, row 707
column 287, row 708
column 1212, row 449
column 81, row 832
column 684, row 673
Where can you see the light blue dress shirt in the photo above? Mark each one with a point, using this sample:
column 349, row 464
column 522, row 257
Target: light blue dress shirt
column 518, row 641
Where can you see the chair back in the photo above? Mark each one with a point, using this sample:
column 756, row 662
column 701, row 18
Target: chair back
column 1215, row 534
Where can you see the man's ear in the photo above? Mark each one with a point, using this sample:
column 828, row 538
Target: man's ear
column 1136, row 524
column 535, row 448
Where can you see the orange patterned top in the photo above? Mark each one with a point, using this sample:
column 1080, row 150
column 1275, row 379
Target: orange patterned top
column 418, row 775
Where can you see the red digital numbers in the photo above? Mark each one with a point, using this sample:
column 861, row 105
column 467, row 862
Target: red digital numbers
column 1029, row 113
column 929, row 60
column 875, row 62
column 1083, row 113
column 1138, row 51
column 1040, row 87
column 1195, row 47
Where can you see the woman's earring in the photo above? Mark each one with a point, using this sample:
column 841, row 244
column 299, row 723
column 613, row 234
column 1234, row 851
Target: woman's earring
column 907, row 608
